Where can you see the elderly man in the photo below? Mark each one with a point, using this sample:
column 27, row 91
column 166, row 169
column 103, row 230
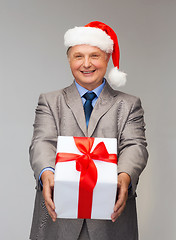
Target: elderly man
column 90, row 107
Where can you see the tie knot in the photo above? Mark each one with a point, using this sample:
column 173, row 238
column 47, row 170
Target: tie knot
column 89, row 96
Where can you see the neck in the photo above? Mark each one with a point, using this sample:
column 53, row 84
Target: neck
column 89, row 86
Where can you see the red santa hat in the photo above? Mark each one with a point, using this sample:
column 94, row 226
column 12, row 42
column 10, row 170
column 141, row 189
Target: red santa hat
column 102, row 36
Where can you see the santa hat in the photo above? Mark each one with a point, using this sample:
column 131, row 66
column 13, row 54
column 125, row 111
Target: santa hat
column 102, row 36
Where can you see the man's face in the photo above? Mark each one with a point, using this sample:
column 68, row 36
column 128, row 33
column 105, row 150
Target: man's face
column 88, row 65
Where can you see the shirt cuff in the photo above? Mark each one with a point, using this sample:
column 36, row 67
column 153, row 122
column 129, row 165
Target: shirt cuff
column 45, row 169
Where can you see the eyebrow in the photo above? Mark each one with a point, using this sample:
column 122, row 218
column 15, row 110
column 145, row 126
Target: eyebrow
column 92, row 53
column 77, row 53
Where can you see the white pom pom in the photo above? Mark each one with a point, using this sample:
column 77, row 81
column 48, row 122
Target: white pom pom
column 116, row 78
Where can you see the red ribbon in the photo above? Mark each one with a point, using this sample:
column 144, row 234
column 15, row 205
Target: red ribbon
column 86, row 165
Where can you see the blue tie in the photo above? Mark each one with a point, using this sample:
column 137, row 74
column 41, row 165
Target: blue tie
column 88, row 105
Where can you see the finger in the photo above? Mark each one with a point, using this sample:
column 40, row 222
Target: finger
column 119, row 206
column 119, row 203
column 50, row 205
column 117, row 214
column 120, row 210
column 49, row 202
column 48, row 195
column 48, row 192
column 114, row 216
column 51, row 212
column 122, row 196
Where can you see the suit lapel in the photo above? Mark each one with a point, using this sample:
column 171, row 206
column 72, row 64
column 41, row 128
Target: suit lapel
column 103, row 104
column 74, row 102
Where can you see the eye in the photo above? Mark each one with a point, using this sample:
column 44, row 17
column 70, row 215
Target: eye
column 95, row 55
column 78, row 56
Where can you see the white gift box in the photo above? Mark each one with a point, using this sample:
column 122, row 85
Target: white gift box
column 67, row 180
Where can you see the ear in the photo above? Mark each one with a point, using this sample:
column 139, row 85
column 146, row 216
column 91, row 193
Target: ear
column 108, row 57
column 68, row 53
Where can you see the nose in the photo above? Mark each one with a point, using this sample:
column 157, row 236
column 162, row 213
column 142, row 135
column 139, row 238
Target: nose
column 87, row 62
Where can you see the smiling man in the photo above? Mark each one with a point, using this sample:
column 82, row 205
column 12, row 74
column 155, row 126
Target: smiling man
column 111, row 114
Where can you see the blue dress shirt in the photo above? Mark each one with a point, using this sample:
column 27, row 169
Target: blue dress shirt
column 83, row 90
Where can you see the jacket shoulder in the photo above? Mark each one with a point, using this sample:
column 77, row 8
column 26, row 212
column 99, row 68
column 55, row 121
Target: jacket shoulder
column 121, row 95
column 127, row 97
column 53, row 96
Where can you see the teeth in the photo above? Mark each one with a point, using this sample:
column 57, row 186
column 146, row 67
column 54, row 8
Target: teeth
column 87, row 71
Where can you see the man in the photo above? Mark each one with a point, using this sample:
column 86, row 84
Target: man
column 111, row 114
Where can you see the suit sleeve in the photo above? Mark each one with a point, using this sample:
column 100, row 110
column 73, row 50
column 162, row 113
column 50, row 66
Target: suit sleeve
column 43, row 147
column 133, row 154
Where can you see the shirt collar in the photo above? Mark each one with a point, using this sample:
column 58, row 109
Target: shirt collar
column 83, row 90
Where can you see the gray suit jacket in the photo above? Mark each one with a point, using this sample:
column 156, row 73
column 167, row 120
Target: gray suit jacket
column 115, row 114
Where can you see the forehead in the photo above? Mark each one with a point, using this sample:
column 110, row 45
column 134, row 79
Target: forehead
column 85, row 49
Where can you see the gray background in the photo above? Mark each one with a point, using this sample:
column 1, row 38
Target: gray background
column 33, row 60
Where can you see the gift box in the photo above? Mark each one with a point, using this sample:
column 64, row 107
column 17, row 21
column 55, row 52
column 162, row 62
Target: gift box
column 85, row 177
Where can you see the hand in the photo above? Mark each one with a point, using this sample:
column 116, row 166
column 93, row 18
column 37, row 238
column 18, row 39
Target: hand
column 48, row 187
column 122, row 190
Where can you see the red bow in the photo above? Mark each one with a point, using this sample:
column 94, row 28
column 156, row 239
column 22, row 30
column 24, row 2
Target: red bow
column 86, row 165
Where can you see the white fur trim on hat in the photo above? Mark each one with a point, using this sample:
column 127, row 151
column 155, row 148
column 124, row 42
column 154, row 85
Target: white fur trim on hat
column 89, row 35
column 116, row 78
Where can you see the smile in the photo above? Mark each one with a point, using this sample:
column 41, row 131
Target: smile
column 88, row 72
